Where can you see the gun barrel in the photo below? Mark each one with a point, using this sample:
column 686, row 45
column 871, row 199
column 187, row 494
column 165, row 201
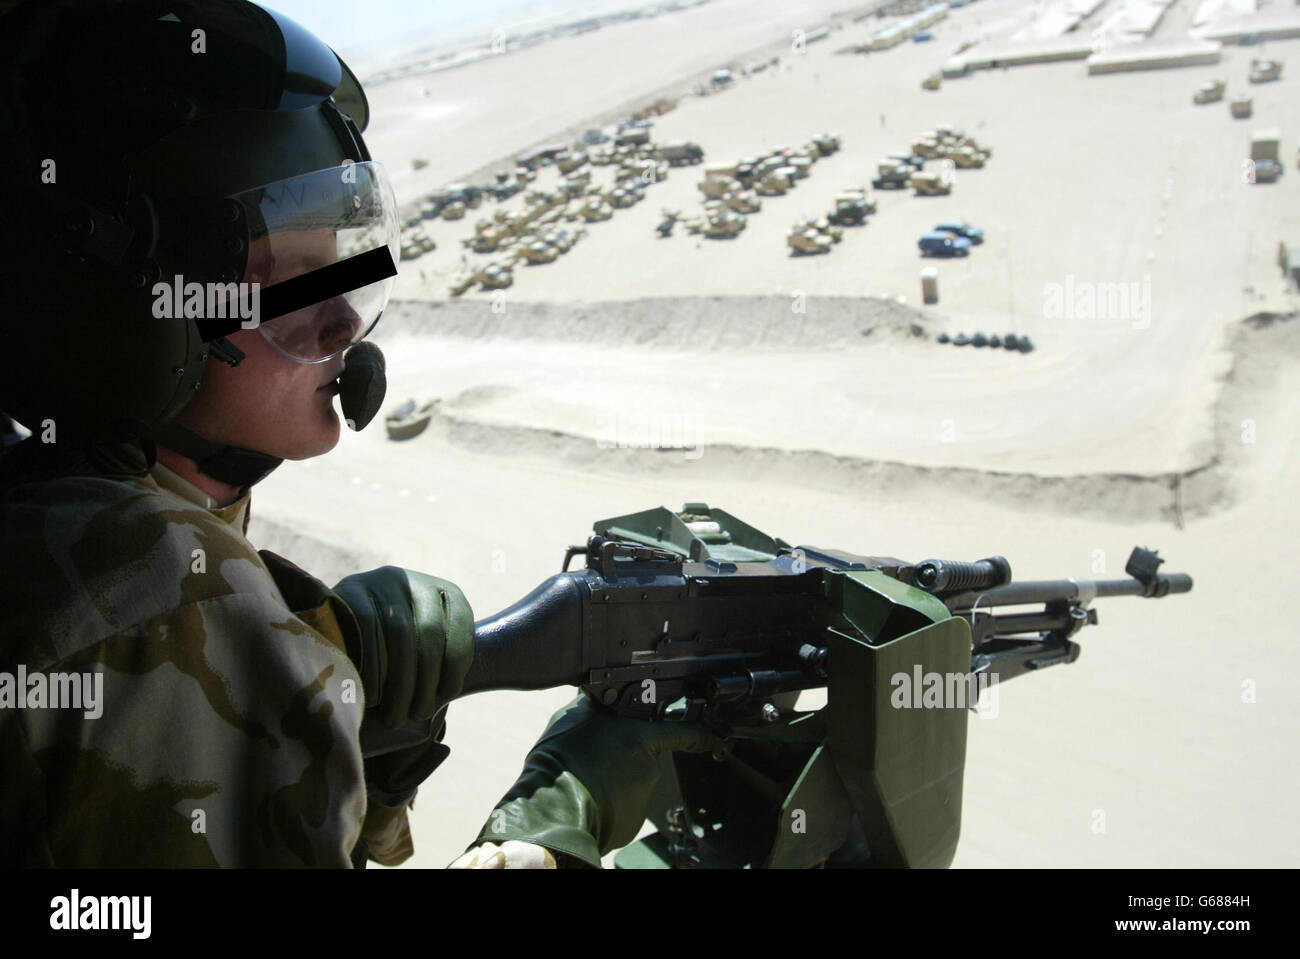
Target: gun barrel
column 1078, row 590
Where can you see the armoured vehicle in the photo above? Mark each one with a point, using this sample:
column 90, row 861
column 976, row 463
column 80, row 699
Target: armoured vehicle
column 471, row 196
column 596, row 209
column 594, row 138
column 937, row 183
column 942, row 243
column 454, row 211
column 1209, row 92
column 538, row 251
column 906, row 159
column 746, row 201
column 665, row 227
column 496, row 277
column 803, row 241
column 932, row 82
column 1262, row 71
column 801, row 165
column 716, row 187
column 827, row 143
column 568, row 162
column 633, row 137
column 678, row 154
column 1242, row 107
column 851, row 208
column 772, row 185
column 964, row 158
column 892, row 176
column 723, row 224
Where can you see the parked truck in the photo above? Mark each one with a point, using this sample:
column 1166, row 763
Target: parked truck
column 1265, row 155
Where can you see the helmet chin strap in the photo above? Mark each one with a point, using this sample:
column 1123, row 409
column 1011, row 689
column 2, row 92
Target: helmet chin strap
column 361, row 392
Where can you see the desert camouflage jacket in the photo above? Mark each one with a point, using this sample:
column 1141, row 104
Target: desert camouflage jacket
column 161, row 703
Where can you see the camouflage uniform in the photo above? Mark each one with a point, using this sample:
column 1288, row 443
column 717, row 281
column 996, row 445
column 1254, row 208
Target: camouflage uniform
column 229, row 731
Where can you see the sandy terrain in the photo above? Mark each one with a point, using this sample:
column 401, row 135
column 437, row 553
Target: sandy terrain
column 885, row 442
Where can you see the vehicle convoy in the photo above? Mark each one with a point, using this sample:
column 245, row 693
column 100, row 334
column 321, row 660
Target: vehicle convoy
column 943, row 243
column 1210, row 92
column 749, row 621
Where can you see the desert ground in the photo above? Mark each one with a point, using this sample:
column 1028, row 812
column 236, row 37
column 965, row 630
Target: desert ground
column 811, row 397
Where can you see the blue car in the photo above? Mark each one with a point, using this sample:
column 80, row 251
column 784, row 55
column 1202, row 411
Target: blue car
column 943, row 243
column 921, row 36
column 962, row 228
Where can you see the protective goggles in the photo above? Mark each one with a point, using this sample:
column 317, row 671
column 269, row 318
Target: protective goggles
column 322, row 251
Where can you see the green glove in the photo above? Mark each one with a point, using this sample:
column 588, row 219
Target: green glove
column 416, row 641
column 588, row 782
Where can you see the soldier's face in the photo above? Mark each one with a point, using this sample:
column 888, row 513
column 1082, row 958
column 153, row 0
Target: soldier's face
column 269, row 402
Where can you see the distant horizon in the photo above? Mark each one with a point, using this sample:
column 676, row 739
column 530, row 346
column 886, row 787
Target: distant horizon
column 366, row 34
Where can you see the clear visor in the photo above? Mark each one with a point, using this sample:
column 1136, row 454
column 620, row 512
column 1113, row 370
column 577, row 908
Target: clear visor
column 323, row 248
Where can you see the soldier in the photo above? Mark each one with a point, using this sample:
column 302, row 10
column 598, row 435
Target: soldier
column 230, row 709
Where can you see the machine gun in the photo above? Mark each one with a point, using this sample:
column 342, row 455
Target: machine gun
column 699, row 616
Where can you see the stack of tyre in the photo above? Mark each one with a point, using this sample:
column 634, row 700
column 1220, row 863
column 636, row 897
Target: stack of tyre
column 1011, row 341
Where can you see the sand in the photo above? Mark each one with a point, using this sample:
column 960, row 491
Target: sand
column 1170, row 742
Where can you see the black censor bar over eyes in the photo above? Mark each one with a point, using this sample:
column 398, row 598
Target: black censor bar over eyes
column 314, row 286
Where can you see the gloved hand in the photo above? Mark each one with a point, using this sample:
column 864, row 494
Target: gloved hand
column 416, row 641
column 588, row 782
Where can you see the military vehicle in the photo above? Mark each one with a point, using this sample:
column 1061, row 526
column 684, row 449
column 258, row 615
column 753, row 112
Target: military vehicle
column 745, row 201
column 594, row 138
column 471, row 196
column 454, row 211
column 892, row 176
column 801, row 165
column 1241, row 107
column 851, row 208
column 596, row 209
column 933, row 82
column 536, row 252
column 496, row 277
column 906, row 159
column 679, row 154
column 1209, row 92
column 665, row 227
column 505, row 186
column 724, row 224
column 942, row 243
column 431, row 208
column 601, row 156
column 568, row 162
column 927, row 149
column 410, row 251
column 964, row 158
column 633, row 138
column 961, row 228
column 561, row 239
column 716, row 187
column 827, row 143
column 938, row 183
column 772, row 185
column 1262, row 71
column 803, row 242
